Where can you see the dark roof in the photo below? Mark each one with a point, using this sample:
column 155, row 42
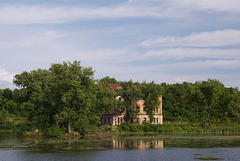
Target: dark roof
column 114, row 85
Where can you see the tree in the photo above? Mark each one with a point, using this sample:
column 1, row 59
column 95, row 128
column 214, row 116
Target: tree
column 34, row 88
column 105, row 99
column 59, row 94
column 71, row 87
column 151, row 95
column 130, row 94
column 197, row 97
column 211, row 90
column 229, row 105
column 3, row 115
column 5, row 96
column 11, row 107
column 108, row 80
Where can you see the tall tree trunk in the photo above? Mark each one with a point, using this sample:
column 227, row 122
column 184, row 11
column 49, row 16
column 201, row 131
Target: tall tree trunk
column 57, row 123
column 223, row 118
column 209, row 117
column 197, row 112
column 69, row 124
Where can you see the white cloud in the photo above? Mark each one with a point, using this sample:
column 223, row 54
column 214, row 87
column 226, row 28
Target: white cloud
column 211, row 5
column 5, row 79
column 193, row 66
column 203, row 39
column 182, row 53
column 38, row 49
column 5, row 76
column 15, row 14
column 42, row 14
column 208, row 64
column 150, row 71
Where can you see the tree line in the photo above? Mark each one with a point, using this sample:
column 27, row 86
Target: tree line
column 66, row 96
column 203, row 102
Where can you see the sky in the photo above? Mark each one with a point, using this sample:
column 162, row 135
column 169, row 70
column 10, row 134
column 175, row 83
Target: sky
column 165, row 41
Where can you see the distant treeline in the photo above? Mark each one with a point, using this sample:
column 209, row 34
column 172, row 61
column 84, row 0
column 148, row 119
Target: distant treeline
column 203, row 102
column 66, row 97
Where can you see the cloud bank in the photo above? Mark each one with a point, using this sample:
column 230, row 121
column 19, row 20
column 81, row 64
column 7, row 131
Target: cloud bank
column 5, row 79
column 203, row 39
column 39, row 14
column 153, row 40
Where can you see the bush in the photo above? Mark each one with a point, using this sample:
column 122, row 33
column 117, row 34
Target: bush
column 123, row 127
column 82, row 125
column 135, row 128
column 23, row 127
column 53, row 131
column 146, row 127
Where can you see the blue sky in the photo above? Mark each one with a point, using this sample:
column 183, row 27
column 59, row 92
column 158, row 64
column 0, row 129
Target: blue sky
column 144, row 40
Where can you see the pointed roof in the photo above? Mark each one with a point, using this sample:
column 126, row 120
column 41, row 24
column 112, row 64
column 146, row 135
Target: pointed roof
column 114, row 86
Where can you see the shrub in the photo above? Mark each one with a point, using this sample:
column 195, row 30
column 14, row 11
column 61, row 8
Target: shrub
column 22, row 128
column 123, row 127
column 146, row 127
column 135, row 128
column 82, row 125
column 53, row 131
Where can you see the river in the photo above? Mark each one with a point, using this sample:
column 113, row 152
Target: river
column 120, row 148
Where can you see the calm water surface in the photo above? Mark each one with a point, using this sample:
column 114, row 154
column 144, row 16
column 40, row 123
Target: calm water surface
column 119, row 148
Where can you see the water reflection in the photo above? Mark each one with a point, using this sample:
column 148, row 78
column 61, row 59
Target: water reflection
column 137, row 144
column 119, row 148
column 115, row 142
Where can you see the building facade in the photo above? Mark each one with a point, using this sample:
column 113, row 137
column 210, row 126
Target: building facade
column 118, row 118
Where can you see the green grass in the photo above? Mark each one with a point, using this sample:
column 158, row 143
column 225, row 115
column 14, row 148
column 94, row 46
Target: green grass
column 187, row 128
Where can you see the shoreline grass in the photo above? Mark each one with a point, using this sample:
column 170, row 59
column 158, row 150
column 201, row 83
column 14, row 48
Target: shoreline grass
column 142, row 129
column 179, row 128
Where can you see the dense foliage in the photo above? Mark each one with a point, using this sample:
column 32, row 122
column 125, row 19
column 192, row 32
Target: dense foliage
column 176, row 128
column 66, row 97
column 201, row 102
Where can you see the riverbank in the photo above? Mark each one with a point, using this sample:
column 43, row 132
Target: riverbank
column 192, row 128
column 143, row 129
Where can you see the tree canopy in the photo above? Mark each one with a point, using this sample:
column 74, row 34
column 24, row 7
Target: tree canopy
column 68, row 97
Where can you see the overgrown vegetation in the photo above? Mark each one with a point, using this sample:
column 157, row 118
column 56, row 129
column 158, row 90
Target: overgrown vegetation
column 189, row 128
column 66, row 98
column 207, row 102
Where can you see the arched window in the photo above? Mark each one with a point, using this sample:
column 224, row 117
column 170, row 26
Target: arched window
column 145, row 118
column 139, row 120
column 157, row 120
column 144, row 109
column 121, row 120
column 105, row 120
column 118, row 120
column 138, row 109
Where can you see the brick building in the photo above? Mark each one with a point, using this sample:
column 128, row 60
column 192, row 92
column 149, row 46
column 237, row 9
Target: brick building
column 114, row 118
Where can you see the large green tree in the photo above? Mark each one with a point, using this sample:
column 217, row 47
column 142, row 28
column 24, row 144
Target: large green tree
column 211, row 90
column 106, row 101
column 151, row 96
column 58, row 94
column 229, row 105
column 34, row 90
column 130, row 94
column 197, row 99
column 71, row 89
